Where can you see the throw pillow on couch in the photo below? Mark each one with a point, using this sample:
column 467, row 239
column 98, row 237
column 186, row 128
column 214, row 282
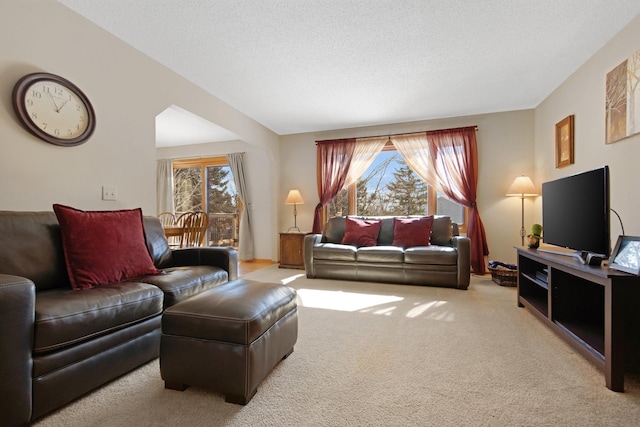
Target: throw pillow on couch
column 361, row 232
column 407, row 231
column 103, row 247
column 410, row 232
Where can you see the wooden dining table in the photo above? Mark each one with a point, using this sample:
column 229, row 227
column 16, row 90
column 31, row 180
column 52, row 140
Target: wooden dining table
column 173, row 231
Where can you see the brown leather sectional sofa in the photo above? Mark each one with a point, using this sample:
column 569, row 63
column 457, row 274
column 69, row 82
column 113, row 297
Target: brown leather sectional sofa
column 56, row 343
column 445, row 262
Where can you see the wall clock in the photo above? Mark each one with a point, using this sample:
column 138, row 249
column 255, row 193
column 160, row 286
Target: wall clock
column 53, row 109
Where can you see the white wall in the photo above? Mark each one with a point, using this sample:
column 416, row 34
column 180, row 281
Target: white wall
column 511, row 144
column 583, row 95
column 260, row 183
column 505, row 151
column 127, row 89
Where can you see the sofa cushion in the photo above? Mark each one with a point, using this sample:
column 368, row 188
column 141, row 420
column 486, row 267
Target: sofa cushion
column 32, row 248
column 335, row 252
column 361, row 232
column 157, row 243
column 102, row 247
column 380, row 254
column 333, row 231
column 434, row 255
column 408, row 232
column 441, row 232
column 180, row 283
column 385, row 237
column 64, row 317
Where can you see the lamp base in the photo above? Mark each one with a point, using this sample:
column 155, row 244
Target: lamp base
column 295, row 220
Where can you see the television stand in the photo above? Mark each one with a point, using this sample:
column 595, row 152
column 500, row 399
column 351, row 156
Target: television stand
column 585, row 257
column 594, row 309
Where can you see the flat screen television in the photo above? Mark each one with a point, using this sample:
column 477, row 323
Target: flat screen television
column 575, row 212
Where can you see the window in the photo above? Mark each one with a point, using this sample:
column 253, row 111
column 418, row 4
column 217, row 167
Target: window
column 207, row 185
column 390, row 187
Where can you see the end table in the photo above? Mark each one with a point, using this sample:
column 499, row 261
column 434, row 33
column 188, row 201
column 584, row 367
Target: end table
column 292, row 250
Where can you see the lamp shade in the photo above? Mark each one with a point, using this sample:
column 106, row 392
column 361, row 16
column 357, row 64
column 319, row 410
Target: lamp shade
column 294, row 198
column 522, row 187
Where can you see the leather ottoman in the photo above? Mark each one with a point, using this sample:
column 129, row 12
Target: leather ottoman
column 228, row 338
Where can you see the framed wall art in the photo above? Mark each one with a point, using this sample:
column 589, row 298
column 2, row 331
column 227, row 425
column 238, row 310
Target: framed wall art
column 564, row 142
column 622, row 103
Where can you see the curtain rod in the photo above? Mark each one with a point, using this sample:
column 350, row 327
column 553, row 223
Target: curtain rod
column 424, row 131
column 202, row 156
column 389, row 135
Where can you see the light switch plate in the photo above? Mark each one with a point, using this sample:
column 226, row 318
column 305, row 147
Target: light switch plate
column 109, row 193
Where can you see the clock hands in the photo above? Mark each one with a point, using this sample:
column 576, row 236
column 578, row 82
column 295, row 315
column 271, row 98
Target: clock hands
column 54, row 102
column 63, row 104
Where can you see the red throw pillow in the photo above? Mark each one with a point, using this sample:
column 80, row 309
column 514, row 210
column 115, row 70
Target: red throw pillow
column 361, row 232
column 102, row 247
column 408, row 232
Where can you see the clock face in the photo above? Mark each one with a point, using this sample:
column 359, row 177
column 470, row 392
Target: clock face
column 54, row 109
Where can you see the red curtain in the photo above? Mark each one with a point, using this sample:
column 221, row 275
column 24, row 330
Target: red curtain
column 454, row 157
column 334, row 159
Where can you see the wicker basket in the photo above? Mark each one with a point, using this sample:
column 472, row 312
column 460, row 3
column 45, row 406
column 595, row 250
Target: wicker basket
column 504, row 276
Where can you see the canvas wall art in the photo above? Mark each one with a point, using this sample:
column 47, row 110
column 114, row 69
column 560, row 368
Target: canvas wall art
column 623, row 100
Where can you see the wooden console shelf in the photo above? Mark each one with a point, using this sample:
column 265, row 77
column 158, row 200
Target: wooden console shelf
column 594, row 309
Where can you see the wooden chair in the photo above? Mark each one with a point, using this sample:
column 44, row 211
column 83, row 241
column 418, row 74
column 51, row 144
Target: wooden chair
column 181, row 218
column 195, row 229
column 179, row 222
column 167, row 219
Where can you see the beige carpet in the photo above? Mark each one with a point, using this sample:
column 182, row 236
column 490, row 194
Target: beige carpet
column 388, row 355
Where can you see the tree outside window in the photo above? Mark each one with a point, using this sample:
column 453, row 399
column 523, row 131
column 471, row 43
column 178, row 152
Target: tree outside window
column 390, row 188
column 218, row 197
column 187, row 193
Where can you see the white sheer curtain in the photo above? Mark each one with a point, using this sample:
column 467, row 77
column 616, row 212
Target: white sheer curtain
column 164, row 186
column 414, row 149
column 245, row 243
column 364, row 154
column 447, row 160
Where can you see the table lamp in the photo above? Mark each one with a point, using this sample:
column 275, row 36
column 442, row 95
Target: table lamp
column 522, row 187
column 294, row 198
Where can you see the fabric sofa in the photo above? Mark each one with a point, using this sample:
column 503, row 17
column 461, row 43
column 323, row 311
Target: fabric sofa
column 57, row 343
column 439, row 258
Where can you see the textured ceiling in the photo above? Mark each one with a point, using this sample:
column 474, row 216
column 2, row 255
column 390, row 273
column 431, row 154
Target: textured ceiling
column 311, row 65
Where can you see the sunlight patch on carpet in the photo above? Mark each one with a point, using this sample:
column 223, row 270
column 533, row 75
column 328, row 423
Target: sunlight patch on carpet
column 290, row 279
column 343, row 301
column 434, row 311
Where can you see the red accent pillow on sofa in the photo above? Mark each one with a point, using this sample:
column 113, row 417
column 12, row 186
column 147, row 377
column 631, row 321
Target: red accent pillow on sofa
column 102, row 247
column 361, row 232
column 409, row 232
